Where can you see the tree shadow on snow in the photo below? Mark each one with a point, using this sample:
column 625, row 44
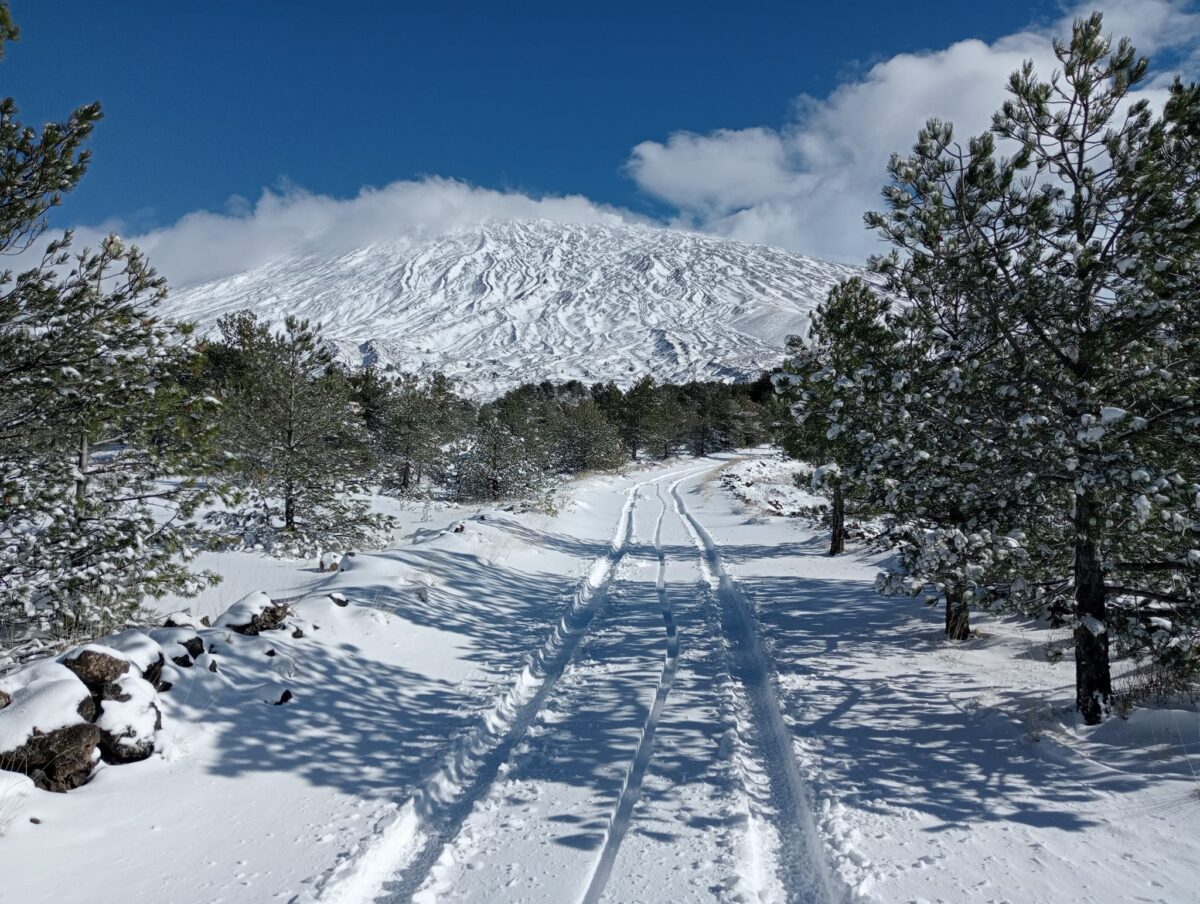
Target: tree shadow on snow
column 916, row 736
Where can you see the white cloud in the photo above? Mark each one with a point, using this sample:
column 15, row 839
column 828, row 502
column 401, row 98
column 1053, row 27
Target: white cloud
column 805, row 185
column 205, row 245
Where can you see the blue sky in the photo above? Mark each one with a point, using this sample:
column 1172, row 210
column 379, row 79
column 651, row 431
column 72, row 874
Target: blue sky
column 209, row 101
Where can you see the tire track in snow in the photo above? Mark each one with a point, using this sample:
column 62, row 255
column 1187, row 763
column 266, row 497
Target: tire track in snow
column 632, row 788
column 801, row 862
column 408, row 847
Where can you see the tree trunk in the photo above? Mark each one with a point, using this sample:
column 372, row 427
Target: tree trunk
column 958, row 616
column 406, row 475
column 1093, row 681
column 289, row 509
column 81, row 480
column 837, row 535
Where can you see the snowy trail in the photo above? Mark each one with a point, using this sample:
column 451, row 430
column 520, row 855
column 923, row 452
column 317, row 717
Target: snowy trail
column 722, row 714
column 631, row 792
column 656, row 766
column 408, row 848
column 551, row 825
column 428, row 829
column 770, row 771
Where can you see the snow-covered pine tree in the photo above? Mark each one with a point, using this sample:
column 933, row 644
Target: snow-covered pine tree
column 495, row 462
column 100, row 450
column 584, row 439
column 300, row 454
column 638, row 417
column 834, row 384
column 416, row 422
column 1060, row 284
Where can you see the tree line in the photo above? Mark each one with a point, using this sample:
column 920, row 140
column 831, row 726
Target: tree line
column 1019, row 382
column 308, row 437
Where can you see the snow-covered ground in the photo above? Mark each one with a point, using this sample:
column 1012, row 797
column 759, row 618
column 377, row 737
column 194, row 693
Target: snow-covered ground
column 662, row 692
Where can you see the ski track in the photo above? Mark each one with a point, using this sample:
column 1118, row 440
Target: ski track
column 783, row 858
column 801, row 866
column 631, row 792
column 408, row 845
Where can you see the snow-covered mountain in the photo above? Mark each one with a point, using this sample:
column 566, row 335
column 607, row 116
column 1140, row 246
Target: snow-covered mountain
column 515, row 301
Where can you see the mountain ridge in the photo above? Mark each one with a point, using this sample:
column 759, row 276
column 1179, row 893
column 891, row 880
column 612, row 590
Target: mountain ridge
column 525, row 300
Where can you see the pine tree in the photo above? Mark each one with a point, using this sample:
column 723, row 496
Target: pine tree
column 496, row 463
column 832, row 385
column 100, row 449
column 300, row 451
column 585, row 440
column 1054, row 288
column 638, row 418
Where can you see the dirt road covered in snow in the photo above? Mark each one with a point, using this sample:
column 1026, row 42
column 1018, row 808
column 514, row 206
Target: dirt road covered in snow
column 660, row 691
column 643, row 757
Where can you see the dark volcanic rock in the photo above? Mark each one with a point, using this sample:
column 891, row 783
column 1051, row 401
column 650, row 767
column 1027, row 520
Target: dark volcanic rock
column 128, row 728
column 89, row 708
column 153, row 674
column 96, row 669
column 254, row 614
column 194, row 646
column 56, row 760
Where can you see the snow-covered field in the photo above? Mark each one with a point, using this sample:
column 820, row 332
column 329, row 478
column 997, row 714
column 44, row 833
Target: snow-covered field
column 518, row 301
column 662, row 692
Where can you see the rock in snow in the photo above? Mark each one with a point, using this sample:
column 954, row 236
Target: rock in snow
column 46, row 732
column 100, row 701
column 129, row 722
column 96, row 666
column 252, row 614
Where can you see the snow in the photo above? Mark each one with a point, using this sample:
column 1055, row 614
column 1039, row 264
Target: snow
column 132, row 720
column 244, row 610
column 664, row 691
column 45, row 696
column 519, row 301
column 135, row 646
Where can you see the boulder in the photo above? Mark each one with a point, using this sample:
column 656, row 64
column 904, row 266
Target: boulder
column 153, row 674
column 96, row 666
column 181, row 620
column 128, row 726
column 194, row 646
column 5, row 699
column 182, row 645
column 46, row 731
column 329, row 561
column 253, row 614
column 143, row 653
column 56, row 760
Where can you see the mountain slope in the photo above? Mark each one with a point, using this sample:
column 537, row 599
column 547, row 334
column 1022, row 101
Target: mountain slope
column 517, row 301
